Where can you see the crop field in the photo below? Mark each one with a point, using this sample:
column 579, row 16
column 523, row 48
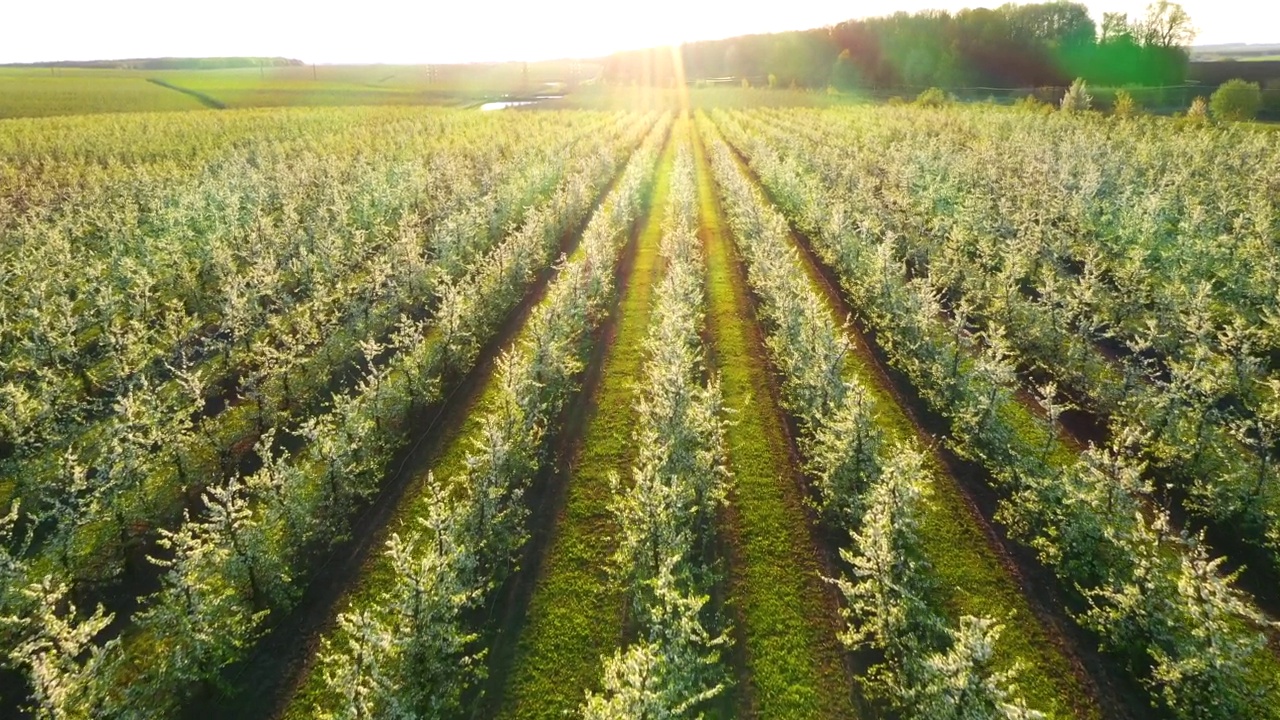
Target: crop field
column 746, row 411
column 42, row 92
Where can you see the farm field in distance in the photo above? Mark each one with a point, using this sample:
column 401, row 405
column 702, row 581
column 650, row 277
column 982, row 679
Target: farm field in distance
column 49, row 91
column 325, row 394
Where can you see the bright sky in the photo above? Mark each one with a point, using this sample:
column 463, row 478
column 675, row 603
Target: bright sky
column 392, row 31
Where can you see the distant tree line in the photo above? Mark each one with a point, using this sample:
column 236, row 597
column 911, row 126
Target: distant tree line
column 1046, row 44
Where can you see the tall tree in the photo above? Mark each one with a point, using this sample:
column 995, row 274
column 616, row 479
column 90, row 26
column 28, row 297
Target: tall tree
column 1167, row 25
column 1115, row 27
column 1056, row 24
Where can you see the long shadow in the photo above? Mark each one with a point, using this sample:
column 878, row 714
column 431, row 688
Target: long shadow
column 207, row 101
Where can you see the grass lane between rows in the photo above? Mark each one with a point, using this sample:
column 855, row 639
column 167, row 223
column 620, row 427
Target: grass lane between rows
column 788, row 618
column 576, row 612
column 455, row 444
column 970, row 577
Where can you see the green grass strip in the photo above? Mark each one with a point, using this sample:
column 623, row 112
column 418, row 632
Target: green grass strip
column 794, row 667
column 379, row 575
column 970, row 578
column 576, row 611
column 1261, row 667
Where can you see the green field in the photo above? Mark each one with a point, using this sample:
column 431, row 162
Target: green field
column 39, row 92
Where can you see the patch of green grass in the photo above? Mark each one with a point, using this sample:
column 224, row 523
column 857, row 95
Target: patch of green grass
column 294, row 86
column 31, row 92
column 576, row 613
column 793, row 657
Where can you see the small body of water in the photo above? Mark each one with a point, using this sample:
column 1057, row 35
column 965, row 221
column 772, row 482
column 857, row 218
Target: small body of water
column 504, row 104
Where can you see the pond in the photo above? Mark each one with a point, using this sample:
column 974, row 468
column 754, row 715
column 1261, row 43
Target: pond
column 504, row 104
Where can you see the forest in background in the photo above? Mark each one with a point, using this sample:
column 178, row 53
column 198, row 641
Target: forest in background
column 1045, row 44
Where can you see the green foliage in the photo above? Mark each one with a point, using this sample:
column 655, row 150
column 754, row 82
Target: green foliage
column 845, row 456
column 672, row 671
column 285, row 354
column 667, row 510
column 845, row 74
column 1199, row 111
column 1236, row 100
column 248, row 549
column 1125, row 106
column 1076, row 99
column 887, row 609
column 961, row 683
column 413, row 656
column 572, row 615
column 871, row 490
column 666, row 516
column 933, row 98
column 1032, row 104
column 1041, row 44
column 59, row 655
column 795, row 666
column 1167, row 24
column 359, row 306
column 1082, row 512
